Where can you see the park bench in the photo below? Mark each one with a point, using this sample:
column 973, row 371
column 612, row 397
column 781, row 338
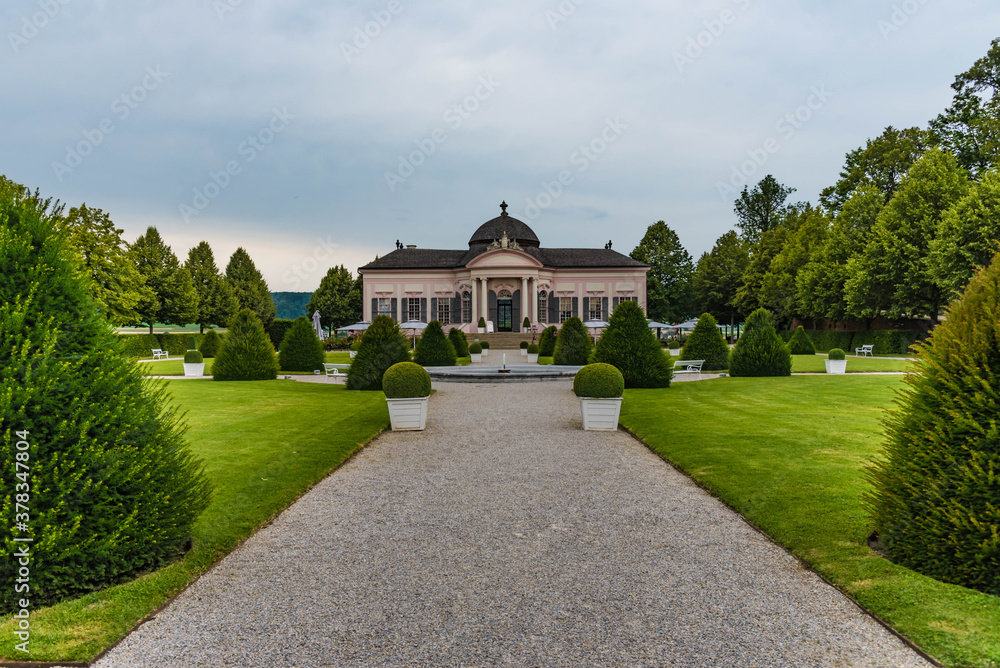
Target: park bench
column 688, row 366
column 335, row 370
column 159, row 354
column 865, row 351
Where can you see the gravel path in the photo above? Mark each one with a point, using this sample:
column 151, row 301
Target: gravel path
column 506, row 535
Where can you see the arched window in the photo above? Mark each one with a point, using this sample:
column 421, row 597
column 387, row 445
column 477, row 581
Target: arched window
column 466, row 307
column 505, row 294
column 543, row 306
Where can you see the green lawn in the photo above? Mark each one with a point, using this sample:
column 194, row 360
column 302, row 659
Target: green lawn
column 814, row 364
column 788, row 454
column 175, row 366
column 264, row 444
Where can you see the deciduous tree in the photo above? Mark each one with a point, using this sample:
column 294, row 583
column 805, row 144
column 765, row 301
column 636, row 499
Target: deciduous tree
column 719, row 275
column 761, row 209
column 338, row 298
column 969, row 236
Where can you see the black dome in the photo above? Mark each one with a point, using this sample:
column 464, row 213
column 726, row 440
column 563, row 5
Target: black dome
column 492, row 230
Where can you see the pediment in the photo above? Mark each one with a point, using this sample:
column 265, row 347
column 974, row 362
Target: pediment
column 504, row 258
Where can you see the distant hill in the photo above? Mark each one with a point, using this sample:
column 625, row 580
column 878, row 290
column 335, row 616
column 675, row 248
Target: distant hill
column 291, row 305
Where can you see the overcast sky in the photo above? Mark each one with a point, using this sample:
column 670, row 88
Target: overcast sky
column 317, row 133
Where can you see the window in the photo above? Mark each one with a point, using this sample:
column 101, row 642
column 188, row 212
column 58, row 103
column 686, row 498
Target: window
column 413, row 308
column 543, row 307
column 565, row 309
column 628, row 299
column 385, row 306
column 444, row 311
column 466, row 307
column 595, row 308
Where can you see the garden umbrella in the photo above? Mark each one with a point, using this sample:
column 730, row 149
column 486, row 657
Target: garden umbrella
column 657, row 326
column 317, row 325
column 356, row 327
column 595, row 324
column 413, row 326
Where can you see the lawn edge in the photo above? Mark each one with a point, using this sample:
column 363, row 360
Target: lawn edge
column 906, row 641
column 152, row 614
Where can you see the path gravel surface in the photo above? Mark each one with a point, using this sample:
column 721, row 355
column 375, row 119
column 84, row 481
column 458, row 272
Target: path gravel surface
column 504, row 534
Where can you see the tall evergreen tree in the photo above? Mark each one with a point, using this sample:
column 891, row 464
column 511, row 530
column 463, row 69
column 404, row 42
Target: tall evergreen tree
column 881, row 163
column 892, row 274
column 246, row 352
column 807, row 230
column 970, row 127
column 719, row 275
column 382, row 345
column 113, row 487
column 338, row 298
column 171, row 298
column 116, row 284
column 249, row 287
column 969, row 236
column 761, row 209
column 669, row 295
column 216, row 302
column 629, row 345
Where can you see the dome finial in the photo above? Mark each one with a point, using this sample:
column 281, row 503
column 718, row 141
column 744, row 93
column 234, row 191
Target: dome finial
column 503, row 208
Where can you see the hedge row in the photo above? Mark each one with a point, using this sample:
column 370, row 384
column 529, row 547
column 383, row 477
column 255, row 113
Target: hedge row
column 886, row 341
column 141, row 345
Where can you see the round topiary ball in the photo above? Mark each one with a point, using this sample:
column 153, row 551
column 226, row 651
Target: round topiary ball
column 524, row 344
column 836, row 354
column 475, row 349
column 193, row 357
column 532, row 349
column 485, row 345
column 599, row 381
column 406, row 380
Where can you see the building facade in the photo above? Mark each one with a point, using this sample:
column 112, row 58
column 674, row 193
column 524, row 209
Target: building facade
column 503, row 277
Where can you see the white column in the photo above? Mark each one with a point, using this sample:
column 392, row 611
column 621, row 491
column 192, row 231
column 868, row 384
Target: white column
column 524, row 300
column 534, row 301
column 475, row 300
column 486, row 301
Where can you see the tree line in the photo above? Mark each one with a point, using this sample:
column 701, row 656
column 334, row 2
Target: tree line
column 913, row 215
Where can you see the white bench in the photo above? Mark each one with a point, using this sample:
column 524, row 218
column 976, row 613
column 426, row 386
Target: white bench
column 335, row 370
column 688, row 366
column 865, row 351
column 160, row 354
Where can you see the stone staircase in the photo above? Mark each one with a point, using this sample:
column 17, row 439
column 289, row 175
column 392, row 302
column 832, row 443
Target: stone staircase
column 503, row 340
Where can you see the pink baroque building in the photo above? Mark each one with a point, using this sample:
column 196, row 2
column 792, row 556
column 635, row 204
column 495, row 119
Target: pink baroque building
column 504, row 276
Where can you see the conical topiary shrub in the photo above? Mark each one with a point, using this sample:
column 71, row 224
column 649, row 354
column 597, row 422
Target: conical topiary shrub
column 246, row 353
column 760, row 351
column 573, row 344
column 800, row 343
column 707, row 343
column 434, row 348
column 547, row 341
column 301, row 349
column 94, row 451
column 210, row 344
column 936, row 490
column 381, row 346
column 458, row 340
column 629, row 345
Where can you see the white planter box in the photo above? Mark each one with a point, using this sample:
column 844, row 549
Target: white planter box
column 532, row 357
column 601, row 414
column 524, row 352
column 486, row 351
column 408, row 414
column 194, row 369
column 481, row 330
column 836, row 366
column 354, row 353
column 476, row 357
column 675, row 351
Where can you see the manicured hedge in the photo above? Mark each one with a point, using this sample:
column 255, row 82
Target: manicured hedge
column 406, row 380
column 707, row 343
column 434, row 348
column 760, row 352
column 800, row 343
column 210, row 343
column 886, row 341
column 573, row 346
column 175, row 344
column 599, row 381
column 246, row 352
column 458, row 340
column 381, row 346
column 629, row 345
column 300, row 349
column 277, row 330
column 547, row 341
column 139, row 345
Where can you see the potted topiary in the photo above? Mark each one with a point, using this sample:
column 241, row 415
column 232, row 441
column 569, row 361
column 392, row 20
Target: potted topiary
column 355, row 347
column 526, row 325
column 192, row 343
column 476, row 352
column 675, row 347
column 533, row 353
column 524, row 348
column 481, row 327
column 600, row 387
column 194, row 363
column 407, row 388
column 837, row 362
column 486, row 348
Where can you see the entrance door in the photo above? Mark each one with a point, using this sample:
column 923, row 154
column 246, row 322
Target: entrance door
column 505, row 312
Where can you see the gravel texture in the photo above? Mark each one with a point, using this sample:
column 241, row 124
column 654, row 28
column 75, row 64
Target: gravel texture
column 504, row 534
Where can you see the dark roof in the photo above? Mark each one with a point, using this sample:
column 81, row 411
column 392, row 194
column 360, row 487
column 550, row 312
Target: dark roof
column 430, row 258
column 492, row 230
